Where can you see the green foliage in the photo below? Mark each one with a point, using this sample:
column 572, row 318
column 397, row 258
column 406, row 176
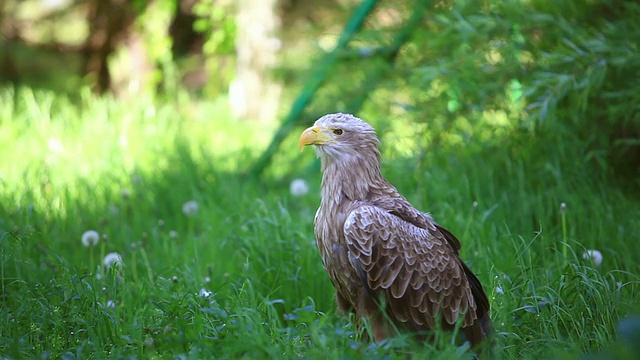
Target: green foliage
column 507, row 69
column 217, row 22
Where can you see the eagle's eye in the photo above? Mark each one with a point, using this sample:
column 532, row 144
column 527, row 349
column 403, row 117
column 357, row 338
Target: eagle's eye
column 337, row 131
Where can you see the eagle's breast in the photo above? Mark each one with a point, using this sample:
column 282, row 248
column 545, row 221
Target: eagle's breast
column 332, row 245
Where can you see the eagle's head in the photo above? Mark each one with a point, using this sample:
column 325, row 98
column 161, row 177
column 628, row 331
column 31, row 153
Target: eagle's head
column 342, row 137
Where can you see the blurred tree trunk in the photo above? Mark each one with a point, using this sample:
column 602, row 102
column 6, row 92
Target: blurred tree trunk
column 253, row 95
column 187, row 44
column 185, row 39
column 109, row 23
column 8, row 71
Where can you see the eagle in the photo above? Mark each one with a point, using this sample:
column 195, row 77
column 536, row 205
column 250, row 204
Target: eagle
column 389, row 262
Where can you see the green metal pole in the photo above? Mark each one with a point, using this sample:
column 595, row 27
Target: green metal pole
column 353, row 26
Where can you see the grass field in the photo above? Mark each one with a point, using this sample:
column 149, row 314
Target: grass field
column 213, row 264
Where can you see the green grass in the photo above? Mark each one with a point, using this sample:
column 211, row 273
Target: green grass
column 126, row 169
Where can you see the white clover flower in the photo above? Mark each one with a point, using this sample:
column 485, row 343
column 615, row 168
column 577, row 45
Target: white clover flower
column 112, row 259
column 90, row 238
column 204, row 293
column 299, row 187
column 594, row 256
column 190, row 208
column 207, row 280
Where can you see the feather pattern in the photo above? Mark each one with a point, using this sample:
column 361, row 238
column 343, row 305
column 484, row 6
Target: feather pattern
column 388, row 261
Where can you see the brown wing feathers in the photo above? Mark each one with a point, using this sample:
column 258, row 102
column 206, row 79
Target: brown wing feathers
column 418, row 274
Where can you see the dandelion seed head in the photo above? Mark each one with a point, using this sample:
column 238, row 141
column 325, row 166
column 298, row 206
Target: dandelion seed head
column 90, row 238
column 299, row 187
column 207, row 280
column 365, row 51
column 136, row 179
column 563, row 208
column 204, row 293
column 173, row 234
column 190, row 208
column 595, row 256
column 174, row 278
column 112, row 259
column 125, row 193
column 475, row 204
column 148, row 342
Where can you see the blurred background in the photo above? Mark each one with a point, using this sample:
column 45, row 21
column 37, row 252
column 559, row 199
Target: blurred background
column 162, row 135
column 461, row 69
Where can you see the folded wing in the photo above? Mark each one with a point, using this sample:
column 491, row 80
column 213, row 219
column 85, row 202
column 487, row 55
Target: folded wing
column 416, row 270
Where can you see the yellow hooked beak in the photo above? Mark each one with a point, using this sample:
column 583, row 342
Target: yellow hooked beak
column 314, row 135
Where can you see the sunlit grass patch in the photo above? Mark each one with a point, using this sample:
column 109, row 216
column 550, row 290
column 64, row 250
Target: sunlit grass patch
column 63, row 138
